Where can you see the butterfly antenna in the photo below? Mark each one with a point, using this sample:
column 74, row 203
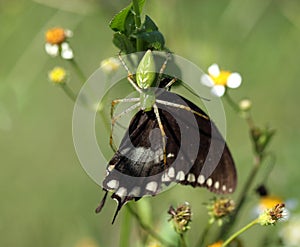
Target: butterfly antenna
column 99, row 208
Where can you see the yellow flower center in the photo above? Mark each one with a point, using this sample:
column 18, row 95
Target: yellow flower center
column 267, row 202
column 221, row 79
column 55, row 36
column 57, row 75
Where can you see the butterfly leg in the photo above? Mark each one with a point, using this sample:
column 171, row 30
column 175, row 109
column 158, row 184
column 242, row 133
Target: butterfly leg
column 155, row 108
column 115, row 118
column 184, row 107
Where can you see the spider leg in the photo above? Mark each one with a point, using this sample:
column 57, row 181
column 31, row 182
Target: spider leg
column 161, row 127
column 187, row 108
column 163, row 68
column 130, row 75
column 170, row 83
column 115, row 118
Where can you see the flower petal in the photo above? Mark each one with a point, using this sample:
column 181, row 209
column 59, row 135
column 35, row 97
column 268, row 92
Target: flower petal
column 234, row 80
column 218, row 90
column 214, row 70
column 206, row 80
column 66, row 51
column 51, row 50
column 68, row 33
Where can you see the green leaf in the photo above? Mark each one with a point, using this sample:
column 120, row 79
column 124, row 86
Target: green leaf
column 118, row 21
column 149, row 25
column 123, row 43
column 141, row 4
column 129, row 24
column 153, row 39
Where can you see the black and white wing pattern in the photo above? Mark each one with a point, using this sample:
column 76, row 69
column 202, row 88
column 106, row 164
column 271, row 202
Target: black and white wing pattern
column 196, row 154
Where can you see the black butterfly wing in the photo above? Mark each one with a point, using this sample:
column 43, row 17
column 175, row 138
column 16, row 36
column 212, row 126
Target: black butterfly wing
column 196, row 153
column 214, row 167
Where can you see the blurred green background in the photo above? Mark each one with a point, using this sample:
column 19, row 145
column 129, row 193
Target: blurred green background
column 46, row 197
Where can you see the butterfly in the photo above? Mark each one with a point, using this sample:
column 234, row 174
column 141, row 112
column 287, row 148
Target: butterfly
column 172, row 140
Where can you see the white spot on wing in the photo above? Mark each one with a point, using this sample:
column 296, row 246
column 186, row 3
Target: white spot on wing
column 191, row 178
column 113, row 184
column 209, row 182
column 180, row 176
column 152, row 186
column 171, row 172
column 201, row 179
column 217, row 185
column 224, row 187
column 135, row 191
column 165, row 178
column 230, row 190
column 122, row 192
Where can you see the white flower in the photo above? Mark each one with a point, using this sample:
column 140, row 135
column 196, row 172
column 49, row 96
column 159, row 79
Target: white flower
column 57, row 44
column 290, row 232
column 52, row 50
column 219, row 80
column 110, row 65
column 66, row 51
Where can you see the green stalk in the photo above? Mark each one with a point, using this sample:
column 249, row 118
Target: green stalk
column 182, row 240
column 147, row 228
column 231, row 102
column 125, row 229
column 202, row 240
column 247, row 186
column 138, row 23
column 78, row 70
column 68, row 91
column 245, row 228
column 242, row 198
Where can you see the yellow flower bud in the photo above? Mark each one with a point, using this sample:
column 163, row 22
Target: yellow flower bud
column 58, row 75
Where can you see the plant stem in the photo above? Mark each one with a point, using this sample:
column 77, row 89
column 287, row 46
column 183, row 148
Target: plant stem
column 202, row 240
column 138, row 23
column 231, row 102
column 182, row 240
column 68, row 91
column 242, row 198
column 258, row 157
column 148, row 229
column 78, row 70
column 125, row 229
column 233, row 236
